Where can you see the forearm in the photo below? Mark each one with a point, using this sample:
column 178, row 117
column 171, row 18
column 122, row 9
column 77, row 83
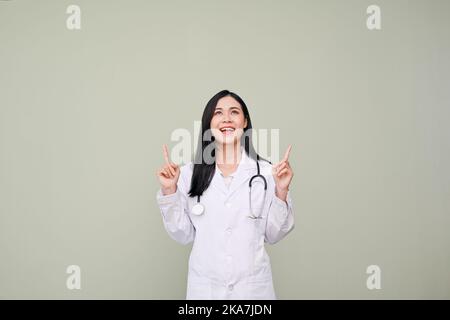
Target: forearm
column 175, row 218
column 280, row 220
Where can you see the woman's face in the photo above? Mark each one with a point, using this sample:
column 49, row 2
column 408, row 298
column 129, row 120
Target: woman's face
column 228, row 121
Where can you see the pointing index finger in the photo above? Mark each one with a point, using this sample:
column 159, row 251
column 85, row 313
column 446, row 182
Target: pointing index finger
column 286, row 155
column 166, row 154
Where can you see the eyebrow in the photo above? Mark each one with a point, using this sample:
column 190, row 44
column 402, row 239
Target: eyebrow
column 232, row 108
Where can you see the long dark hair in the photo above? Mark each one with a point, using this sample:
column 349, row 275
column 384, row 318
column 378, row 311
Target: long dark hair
column 204, row 170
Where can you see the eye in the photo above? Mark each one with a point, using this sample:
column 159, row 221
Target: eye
column 234, row 112
column 217, row 112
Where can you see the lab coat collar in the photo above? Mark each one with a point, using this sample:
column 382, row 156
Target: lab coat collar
column 242, row 175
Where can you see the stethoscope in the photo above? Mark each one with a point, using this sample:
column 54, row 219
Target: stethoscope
column 198, row 209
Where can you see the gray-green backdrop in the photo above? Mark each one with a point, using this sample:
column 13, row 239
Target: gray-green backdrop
column 84, row 113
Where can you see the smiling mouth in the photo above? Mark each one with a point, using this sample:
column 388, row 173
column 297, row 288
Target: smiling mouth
column 227, row 131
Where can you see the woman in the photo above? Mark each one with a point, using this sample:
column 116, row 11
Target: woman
column 211, row 203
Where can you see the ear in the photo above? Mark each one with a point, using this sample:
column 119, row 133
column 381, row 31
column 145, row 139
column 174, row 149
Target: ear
column 245, row 123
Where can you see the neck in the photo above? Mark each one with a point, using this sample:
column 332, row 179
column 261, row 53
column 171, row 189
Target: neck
column 228, row 154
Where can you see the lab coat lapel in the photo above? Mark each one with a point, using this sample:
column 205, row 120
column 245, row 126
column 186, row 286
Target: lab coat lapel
column 243, row 174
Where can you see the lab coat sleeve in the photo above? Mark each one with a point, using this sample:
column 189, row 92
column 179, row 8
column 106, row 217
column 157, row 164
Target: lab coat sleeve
column 174, row 213
column 280, row 219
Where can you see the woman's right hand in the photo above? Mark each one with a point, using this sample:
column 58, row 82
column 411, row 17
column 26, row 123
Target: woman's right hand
column 168, row 174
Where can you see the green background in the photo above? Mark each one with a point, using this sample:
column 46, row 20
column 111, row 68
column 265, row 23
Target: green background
column 84, row 113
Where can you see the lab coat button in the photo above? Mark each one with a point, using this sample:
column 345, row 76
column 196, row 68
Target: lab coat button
column 230, row 287
column 228, row 231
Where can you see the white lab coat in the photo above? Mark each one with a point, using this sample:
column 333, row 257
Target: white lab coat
column 228, row 258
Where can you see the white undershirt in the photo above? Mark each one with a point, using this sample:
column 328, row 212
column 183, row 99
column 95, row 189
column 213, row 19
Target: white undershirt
column 226, row 180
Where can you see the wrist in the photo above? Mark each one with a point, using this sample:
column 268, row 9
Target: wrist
column 281, row 193
column 168, row 190
column 286, row 189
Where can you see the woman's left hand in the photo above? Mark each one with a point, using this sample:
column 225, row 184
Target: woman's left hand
column 282, row 174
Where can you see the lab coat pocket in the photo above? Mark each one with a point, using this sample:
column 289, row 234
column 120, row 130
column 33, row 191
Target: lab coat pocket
column 199, row 290
column 260, row 219
column 261, row 289
column 255, row 219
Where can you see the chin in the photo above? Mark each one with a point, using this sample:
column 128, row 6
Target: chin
column 226, row 140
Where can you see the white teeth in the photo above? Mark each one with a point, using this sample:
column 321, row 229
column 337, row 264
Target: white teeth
column 227, row 129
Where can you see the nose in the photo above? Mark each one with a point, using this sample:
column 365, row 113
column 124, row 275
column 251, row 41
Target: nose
column 226, row 118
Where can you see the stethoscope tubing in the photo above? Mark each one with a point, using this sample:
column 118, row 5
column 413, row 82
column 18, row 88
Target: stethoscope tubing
column 199, row 208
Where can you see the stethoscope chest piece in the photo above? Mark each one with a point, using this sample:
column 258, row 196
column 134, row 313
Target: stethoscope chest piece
column 198, row 209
